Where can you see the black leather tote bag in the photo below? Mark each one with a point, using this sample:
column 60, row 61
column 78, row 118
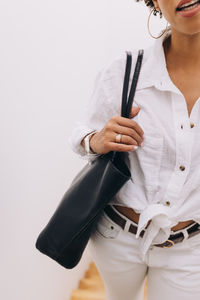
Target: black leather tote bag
column 67, row 233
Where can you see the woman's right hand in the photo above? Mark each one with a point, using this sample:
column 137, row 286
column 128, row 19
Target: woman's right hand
column 103, row 141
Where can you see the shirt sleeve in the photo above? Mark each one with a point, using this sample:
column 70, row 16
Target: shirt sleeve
column 104, row 102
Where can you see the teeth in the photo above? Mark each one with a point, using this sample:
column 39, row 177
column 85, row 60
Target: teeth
column 191, row 7
column 189, row 3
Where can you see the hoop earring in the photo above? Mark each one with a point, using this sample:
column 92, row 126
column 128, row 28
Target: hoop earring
column 163, row 31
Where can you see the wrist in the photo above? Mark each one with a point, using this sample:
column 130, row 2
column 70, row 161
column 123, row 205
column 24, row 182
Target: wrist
column 87, row 145
column 90, row 144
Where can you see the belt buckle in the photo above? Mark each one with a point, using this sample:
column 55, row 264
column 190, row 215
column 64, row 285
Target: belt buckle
column 170, row 245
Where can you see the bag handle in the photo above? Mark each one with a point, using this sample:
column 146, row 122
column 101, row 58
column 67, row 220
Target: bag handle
column 127, row 102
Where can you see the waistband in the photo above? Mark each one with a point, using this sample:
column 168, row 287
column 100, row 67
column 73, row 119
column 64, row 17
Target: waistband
column 130, row 226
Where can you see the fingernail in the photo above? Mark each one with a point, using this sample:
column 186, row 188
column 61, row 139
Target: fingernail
column 141, row 144
column 135, row 147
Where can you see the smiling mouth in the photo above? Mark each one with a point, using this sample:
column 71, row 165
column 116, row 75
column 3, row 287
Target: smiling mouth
column 179, row 8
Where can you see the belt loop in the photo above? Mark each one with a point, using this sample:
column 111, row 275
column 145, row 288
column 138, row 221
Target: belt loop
column 127, row 225
column 128, row 221
column 185, row 233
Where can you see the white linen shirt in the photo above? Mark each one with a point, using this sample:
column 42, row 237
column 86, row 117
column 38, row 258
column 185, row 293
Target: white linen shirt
column 165, row 183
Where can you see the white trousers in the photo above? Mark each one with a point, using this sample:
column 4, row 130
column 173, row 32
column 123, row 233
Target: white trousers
column 172, row 273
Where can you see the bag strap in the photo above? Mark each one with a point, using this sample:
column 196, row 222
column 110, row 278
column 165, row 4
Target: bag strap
column 127, row 102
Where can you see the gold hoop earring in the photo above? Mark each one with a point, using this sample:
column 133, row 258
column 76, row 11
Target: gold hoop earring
column 163, row 31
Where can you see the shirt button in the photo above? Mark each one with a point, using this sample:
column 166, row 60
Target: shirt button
column 191, row 125
column 182, row 168
column 181, row 126
column 168, row 203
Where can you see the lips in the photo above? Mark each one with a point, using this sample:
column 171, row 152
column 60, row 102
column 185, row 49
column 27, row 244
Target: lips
column 183, row 2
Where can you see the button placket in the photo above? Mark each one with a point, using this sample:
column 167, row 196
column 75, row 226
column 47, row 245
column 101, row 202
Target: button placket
column 183, row 153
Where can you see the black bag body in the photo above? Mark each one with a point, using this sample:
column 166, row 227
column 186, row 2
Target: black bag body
column 67, row 233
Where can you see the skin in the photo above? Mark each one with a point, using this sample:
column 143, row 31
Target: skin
column 104, row 141
column 182, row 50
column 182, row 54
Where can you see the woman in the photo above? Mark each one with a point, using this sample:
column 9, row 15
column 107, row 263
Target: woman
column 152, row 225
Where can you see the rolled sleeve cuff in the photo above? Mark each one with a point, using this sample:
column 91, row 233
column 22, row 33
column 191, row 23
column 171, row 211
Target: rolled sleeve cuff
column 74, row 142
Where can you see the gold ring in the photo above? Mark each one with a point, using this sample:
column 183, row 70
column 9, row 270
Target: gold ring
column 118, row 138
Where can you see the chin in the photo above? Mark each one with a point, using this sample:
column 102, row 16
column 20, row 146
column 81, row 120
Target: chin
column 191, row 30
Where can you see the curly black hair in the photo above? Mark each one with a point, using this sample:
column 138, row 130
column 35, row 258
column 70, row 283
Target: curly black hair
column 151, row 5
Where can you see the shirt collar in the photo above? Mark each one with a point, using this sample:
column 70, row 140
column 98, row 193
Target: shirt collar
column 153, row 70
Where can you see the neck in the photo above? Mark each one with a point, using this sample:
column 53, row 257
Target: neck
column 182, row 51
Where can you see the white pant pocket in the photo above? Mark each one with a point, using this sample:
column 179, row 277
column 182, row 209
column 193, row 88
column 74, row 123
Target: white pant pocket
column 107, row 228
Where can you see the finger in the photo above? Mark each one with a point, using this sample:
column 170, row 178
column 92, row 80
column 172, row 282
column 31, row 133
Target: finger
column 122, row 147
column 129, row 132
column 125, row 122
column 134, row 111
column 125, row 139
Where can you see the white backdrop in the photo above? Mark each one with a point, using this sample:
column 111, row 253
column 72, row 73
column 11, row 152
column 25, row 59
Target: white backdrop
column 50, row 52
